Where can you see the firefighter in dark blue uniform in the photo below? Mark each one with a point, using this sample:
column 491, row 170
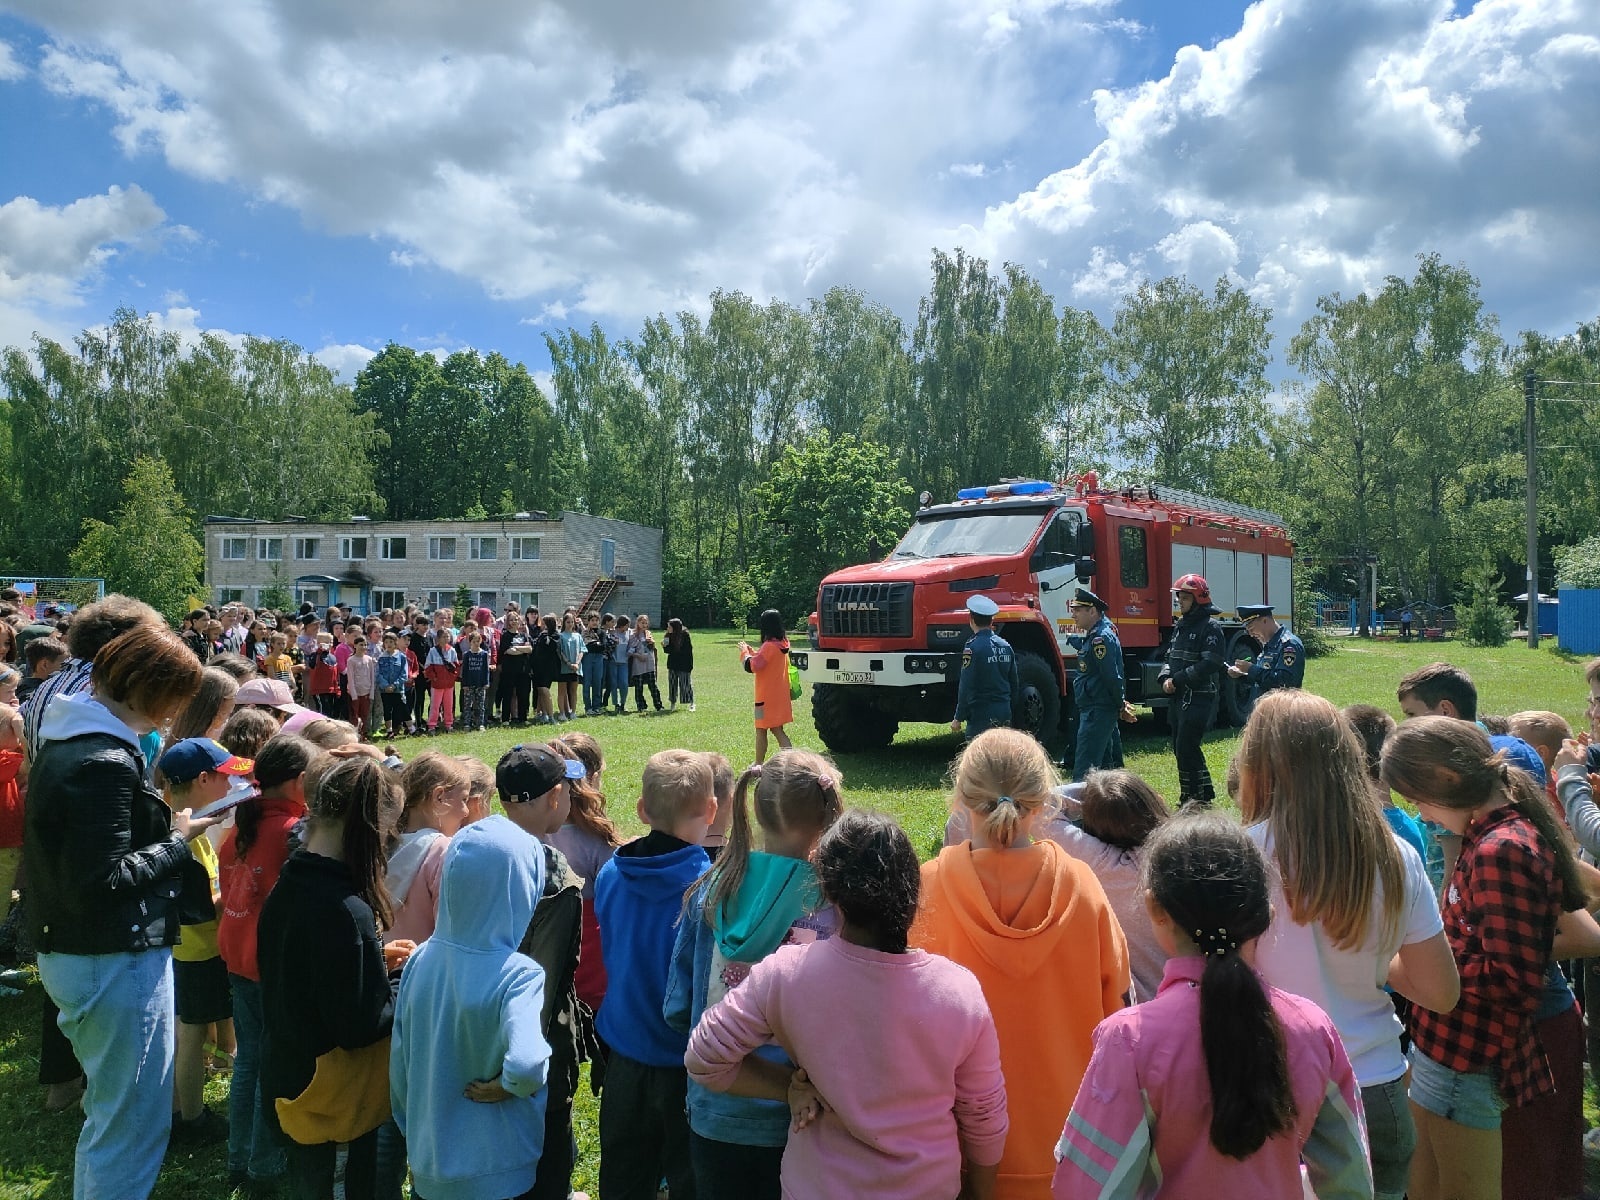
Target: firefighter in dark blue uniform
column 1282, row 661
column 988, row 689
column 1097, row 686
column 1192, row 676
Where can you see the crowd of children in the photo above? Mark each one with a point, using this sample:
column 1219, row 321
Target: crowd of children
column 401, row 672
column 1082, row 995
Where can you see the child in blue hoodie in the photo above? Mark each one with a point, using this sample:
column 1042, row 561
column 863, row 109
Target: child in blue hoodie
column 638, row 899
column 750, row 903
column 469, row 1010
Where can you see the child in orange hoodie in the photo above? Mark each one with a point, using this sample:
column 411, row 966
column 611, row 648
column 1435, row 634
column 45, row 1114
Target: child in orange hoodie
column 1035, row 927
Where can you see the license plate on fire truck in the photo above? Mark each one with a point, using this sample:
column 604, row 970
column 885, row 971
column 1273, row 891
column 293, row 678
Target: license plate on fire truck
column 852, row 677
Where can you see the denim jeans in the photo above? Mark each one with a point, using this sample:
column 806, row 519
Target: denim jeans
column 117, row 1011
column 1391, row 1137
column 617, row 681
column 391, row 1161
column 594, row 683
column 252, row 1145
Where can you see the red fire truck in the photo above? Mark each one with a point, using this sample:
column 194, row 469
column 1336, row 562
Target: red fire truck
column 886, row 639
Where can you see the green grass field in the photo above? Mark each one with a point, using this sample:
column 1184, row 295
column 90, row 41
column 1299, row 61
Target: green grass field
column 907, row 780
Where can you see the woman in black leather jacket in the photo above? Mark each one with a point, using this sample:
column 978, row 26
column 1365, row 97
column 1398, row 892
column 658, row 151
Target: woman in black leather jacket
column 103, row 855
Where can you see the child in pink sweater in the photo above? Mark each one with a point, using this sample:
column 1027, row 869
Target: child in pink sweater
column 898, row 1090
column 1221, row 1085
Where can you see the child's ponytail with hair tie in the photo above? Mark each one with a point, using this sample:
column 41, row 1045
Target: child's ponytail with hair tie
column 1215, row 943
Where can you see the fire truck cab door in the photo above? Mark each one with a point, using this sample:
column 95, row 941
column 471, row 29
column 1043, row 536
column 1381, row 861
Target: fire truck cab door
column 1055, row 565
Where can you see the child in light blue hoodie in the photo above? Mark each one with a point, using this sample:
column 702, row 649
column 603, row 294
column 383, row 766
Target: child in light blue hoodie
column 468, row 1062
column 748, row 904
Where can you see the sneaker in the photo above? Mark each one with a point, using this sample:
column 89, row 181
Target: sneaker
column 207, row 1127
column 691, row 706
column 482, row 729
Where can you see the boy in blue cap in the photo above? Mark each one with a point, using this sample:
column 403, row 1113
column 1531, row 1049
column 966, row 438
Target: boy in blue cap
column 199, row 772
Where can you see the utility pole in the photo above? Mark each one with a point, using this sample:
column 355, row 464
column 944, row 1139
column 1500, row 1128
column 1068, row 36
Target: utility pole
column 1530, row 397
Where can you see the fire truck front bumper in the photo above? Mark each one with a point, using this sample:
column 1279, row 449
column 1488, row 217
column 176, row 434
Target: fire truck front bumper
column 878, row 668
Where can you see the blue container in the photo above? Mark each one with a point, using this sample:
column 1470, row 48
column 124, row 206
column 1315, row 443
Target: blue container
column 1549, row 617
column 1578, row 629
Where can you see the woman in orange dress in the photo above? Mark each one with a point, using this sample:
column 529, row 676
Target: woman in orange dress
column 770, row 666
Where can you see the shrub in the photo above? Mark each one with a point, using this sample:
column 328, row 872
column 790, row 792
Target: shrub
column 1579, row 566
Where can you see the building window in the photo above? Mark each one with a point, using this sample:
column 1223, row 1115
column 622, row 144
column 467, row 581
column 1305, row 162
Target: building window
column 483, row 549
column 1134, row 555
column 441, row 549
column 307, row 549
column 353, row 549
column 269, row 549
column 392, row 548
column 524, row 549
column 487, row 600
column 526, row 601
column 235, row 548
column 230, row 595
column 383, row 598
column 440, row 599
column 309, row 594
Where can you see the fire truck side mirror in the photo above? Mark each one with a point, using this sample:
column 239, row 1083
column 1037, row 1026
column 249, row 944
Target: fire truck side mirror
column 1086, row 567
column 1085, row 542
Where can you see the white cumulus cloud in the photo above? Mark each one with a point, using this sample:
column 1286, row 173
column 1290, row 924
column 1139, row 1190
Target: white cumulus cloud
column 1324, row 146
column 585, row 159
column 47, row 252
column 10, row 67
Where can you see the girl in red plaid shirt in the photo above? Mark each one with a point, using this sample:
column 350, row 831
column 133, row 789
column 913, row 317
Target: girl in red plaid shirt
column 1513, row 879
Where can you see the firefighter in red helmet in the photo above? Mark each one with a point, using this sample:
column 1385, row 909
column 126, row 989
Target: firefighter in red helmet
column 1192, row 676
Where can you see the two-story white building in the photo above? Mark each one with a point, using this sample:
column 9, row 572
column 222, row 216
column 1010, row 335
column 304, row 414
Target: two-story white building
column 537, row 560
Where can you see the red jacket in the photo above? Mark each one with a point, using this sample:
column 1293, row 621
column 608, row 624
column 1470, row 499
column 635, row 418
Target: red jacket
column 245, row 884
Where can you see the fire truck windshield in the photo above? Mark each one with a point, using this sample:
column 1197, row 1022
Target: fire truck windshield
column 966, row 534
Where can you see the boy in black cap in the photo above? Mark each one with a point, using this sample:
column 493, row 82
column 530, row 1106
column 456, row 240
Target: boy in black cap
column 1282, row 661
column 535, row 788
column 1097, row 686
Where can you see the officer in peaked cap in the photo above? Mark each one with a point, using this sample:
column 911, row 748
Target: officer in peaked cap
column 1097, row 686
column 988, row 690
column 1282, row 661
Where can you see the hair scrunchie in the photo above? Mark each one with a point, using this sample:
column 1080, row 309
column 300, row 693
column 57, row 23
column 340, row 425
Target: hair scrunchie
column 1215, row 944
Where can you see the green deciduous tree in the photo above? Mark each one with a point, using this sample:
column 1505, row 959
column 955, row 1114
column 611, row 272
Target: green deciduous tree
column 1187, row 377
column 148, row 549
column 824, row 504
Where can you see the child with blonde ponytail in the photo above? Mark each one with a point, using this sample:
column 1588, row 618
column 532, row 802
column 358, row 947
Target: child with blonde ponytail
column 1035, row 927
column 750, row 903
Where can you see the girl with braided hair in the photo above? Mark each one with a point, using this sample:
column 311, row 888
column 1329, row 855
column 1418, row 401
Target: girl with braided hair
column 1034, row 925
column 1265, row 1086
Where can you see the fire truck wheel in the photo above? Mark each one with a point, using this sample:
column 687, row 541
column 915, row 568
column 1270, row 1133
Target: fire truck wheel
column 1235, row 705
column 847, row 722
column 1038, row 708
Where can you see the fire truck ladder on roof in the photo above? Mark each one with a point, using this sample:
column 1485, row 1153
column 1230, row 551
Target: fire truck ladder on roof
column 1174, row 495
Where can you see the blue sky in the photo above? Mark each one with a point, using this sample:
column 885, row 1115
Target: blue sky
column 474, row 175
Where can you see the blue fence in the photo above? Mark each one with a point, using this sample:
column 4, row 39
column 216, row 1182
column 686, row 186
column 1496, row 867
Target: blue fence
column 1578, row 623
